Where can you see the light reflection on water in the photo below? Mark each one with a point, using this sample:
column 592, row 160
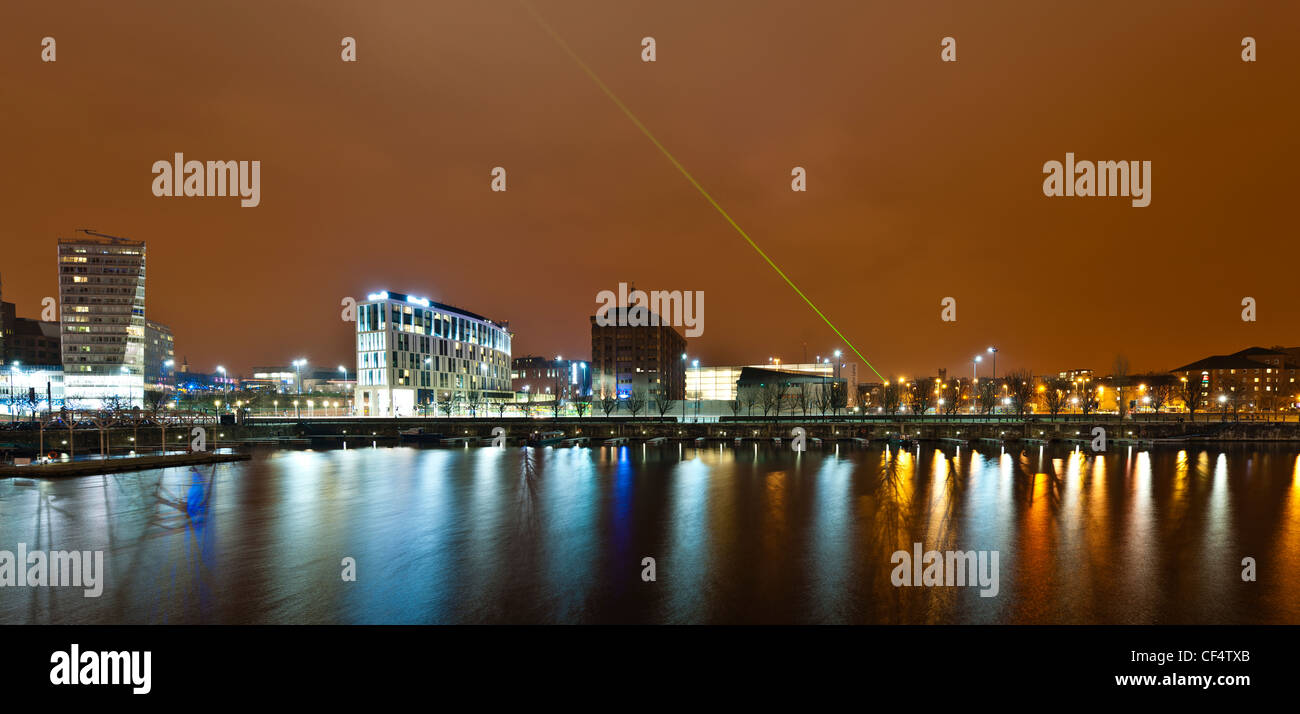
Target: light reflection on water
column 748, row 534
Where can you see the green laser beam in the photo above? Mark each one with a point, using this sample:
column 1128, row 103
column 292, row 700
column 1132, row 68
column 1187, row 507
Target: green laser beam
column 628, row 112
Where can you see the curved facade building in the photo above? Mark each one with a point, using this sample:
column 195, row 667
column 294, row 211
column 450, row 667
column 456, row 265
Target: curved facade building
column 101, row 306
column 414, row 354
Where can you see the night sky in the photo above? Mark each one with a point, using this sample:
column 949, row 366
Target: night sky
column 924, row 177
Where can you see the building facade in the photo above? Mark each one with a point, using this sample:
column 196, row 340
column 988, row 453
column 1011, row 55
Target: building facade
column 412, row 353
column 101, row 300
column 32, row 389
column 647, row 359
column 1255, row 378
column 787, row 391
column 542, row 376
column 30, row 342
column 720, row 383
column 159, row 354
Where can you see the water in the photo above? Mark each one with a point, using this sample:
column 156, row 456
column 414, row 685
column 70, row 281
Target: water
column 750, row 534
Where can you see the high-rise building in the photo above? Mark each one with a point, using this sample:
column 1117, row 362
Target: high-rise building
column 645, row 357
column 101, row 301
column 413, row 353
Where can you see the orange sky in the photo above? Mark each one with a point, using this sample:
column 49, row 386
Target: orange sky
column 924, row 177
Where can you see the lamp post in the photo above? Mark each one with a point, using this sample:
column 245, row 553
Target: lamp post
column 220, row 370
column 344, row 370
column 683, row 387
column 994, row 351
column 559, row 360
column 696, row 364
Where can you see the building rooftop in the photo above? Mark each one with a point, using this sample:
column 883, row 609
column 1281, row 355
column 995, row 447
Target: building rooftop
column 1232, row 361
column 426, row 302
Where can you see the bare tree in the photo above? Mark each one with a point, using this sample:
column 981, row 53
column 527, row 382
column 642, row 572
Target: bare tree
column 1055, row 394
column 581, row 404
column 1193, row 399
column 750, row 396
column 922, row 395
column 1088, row 401
column 1020, row 387
column 116, row 404
column 663, row 404
column 804, row 397
column 154, row 400
column 951, row 398
column 1238, row 395
column 1161, row 394
column 891, row 396
column 473, row 400
column 734, row 404
column 988, row 396
column 825, row 399
column 26, row 401
column 783, row 395
column 769, row 398
column 636, row 401
column 839, row 397
column 1120, row 375
column 446, row 404
column 608, row 403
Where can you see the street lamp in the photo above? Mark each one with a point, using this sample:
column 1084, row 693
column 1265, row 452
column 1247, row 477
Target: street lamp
column 220, row 370
column 683, row 386
column 696, row 364
column 559, row 360
column 994, row 351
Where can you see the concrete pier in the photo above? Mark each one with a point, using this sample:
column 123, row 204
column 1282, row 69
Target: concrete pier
column 92, row 467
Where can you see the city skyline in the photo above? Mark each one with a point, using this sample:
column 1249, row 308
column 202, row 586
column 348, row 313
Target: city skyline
column 402, row 196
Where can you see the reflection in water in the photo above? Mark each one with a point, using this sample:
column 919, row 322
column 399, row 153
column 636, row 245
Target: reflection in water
column 749, row 534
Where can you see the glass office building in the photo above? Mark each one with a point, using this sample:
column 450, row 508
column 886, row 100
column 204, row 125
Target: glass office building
column 414, row 354
column 101, row 305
